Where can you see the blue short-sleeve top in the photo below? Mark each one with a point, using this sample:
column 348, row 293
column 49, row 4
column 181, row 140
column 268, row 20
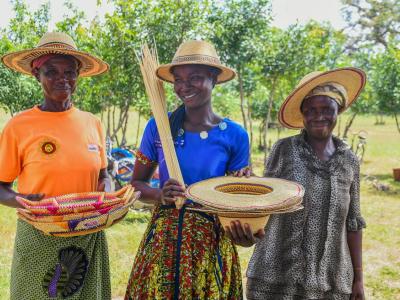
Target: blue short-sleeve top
column 224, row 149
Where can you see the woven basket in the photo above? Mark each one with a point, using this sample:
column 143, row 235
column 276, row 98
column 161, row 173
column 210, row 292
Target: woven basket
column 81, row 223
column 75, row 203
column 241, row 194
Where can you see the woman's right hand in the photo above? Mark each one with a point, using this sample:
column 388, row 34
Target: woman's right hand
column 30, row 197
column 172, row 191
column 8, row 197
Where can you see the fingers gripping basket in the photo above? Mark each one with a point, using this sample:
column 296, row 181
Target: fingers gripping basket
column 77, row 214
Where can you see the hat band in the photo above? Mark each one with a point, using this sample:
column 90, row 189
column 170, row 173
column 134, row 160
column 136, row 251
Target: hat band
column 57, row 45
column 196, row 58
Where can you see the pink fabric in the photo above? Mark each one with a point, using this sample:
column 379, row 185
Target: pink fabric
column 38, row 62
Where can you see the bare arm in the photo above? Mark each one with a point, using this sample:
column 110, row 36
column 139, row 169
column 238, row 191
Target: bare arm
column 354, row 241
column 141, row 176
column 8, row 195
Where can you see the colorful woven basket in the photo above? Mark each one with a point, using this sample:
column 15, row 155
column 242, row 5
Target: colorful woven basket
column 80, row 222
column 75, row 203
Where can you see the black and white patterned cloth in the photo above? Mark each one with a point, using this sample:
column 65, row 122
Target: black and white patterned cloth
column 304, row 254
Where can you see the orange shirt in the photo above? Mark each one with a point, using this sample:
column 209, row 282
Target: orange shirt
column 53, row 153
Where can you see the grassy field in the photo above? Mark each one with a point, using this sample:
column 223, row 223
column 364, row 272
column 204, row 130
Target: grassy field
column 380, row 208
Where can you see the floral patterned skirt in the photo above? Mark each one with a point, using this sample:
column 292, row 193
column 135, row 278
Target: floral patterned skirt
column 185, row 255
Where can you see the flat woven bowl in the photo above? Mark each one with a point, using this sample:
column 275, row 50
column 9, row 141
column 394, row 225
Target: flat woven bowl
column 247, row 214
column 66, row 217
column 75, row 203
column 241, row 194
column 85, row 225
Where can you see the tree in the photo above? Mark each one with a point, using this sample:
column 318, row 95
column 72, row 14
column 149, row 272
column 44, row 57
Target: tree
column 236, row 28
column 386, row 82
column 376, row 21
column 17, row 91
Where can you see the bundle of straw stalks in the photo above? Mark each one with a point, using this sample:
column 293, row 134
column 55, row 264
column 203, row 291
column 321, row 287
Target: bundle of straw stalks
column 148, row 61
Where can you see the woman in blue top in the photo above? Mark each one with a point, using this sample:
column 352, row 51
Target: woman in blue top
column 186, row 254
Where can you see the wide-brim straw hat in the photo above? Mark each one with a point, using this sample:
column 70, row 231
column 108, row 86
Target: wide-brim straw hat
column 241, row 194
column 55, row 43
column 196, row 52
column 352, row 79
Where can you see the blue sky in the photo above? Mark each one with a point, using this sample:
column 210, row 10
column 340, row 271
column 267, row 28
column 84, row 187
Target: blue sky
column 285, row 12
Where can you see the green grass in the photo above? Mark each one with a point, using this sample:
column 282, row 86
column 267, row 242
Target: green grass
column 381, row 249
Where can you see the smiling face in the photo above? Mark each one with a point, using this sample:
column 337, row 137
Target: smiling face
column 58, row 78
column 193, row 84
column 319, row 116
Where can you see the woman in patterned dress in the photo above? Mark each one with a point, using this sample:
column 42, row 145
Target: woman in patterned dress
column 186, row 254
column 55, row 149
column 314, row 253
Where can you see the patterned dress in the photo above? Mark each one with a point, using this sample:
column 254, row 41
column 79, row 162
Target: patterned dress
column 185, row 254
column 305, row 255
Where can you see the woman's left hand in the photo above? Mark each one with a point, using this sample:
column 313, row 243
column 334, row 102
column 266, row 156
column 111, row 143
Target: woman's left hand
column 242, row 172
column 104, row 185
column 242, row 235
column 357, row 290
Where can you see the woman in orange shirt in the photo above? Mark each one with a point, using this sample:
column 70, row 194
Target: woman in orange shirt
column 54, row 149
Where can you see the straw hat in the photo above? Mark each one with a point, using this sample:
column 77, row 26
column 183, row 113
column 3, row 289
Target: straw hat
column 196, row 53
column 57, row 43
column 241, row 194
column 352, row 79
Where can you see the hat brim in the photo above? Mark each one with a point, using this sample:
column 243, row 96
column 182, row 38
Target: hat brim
column 353, row 80
column 245, row 193
column 21, row 61
column 164, row 71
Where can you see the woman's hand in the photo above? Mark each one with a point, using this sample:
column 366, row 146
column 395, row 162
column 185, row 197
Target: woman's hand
column 242, row 172
column 357, row 292
column 242, row 235
column 31, row 197
column 172, row 191
column 104, row 185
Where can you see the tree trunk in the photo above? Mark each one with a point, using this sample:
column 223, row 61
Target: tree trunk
column 109, row 122
column 125, row 125
column 249, row 119
column 137, row 130
column 268, row 120
column 397, row 122
column 242, row 100
column 348, row 125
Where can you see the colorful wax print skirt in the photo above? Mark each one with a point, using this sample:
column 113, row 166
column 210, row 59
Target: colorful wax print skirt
column 185, row 255
column 46, row 267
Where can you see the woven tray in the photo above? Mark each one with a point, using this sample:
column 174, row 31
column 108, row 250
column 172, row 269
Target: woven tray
column 81, row 226
column 75, row 203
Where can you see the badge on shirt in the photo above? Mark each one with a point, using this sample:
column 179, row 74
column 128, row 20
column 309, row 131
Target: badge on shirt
column 93, row 148
column 48, row 147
